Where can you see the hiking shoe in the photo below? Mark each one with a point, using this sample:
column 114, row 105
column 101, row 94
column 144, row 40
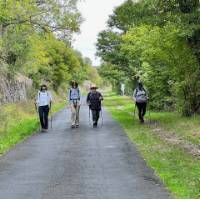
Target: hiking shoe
column 95, row 125
column 142, row 121
column 77, row 126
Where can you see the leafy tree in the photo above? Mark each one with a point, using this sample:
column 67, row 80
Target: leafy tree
column 158, row 41
column 167, row 64
column 35, row 40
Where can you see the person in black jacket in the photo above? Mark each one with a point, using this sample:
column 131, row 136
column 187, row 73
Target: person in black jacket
column 94, row 99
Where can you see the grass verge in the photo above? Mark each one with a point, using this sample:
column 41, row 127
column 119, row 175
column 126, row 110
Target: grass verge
column 19, row 121
column 179, row 170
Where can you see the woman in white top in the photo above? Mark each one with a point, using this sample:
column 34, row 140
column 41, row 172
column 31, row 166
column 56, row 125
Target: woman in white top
column 43, row 103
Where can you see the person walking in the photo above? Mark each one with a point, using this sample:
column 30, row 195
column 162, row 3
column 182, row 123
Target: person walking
column 94, row 99
column 140, row 97
column 75, row 103
column 43, row 103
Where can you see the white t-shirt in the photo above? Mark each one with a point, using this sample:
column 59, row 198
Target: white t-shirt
column 44, row 98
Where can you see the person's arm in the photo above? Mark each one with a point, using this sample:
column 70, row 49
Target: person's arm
column 88, row 99
column 50, row 100
column 79, row 97
column 100, row 97
column 36, row 101
column 69, row 96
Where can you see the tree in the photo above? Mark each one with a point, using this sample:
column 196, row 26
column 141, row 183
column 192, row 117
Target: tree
column 158, row 41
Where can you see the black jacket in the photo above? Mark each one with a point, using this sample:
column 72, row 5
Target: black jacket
column 93, row 99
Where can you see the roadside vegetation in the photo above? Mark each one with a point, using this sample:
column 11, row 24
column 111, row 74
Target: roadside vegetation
column 19, row 121
column 166, row 142
column 156, row 42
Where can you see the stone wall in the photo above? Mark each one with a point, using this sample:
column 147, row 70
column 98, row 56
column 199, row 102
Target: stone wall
column 14, row 89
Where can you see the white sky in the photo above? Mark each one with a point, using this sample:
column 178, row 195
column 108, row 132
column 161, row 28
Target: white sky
column 96, row 14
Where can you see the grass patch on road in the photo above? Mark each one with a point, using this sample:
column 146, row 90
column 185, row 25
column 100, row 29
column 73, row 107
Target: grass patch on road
column 179, row 170
column 19, row 121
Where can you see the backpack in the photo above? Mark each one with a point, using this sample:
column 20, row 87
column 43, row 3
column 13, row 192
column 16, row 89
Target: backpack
column 142, row 89
column 78, row 94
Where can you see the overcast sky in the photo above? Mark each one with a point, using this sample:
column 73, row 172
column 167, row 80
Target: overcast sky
column 95, row 13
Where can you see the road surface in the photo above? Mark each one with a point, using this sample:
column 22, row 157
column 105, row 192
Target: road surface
column 81, row 163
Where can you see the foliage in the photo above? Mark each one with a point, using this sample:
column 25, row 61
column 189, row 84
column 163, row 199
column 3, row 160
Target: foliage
column 166, row 64
column 19, row 121
column 157, row 42
column 35, row 40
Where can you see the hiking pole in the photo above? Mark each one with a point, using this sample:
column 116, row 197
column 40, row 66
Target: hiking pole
column 134, row 110
column 51, row 116
column 38, row 118
column 89, row 116
column 102, row 121
column 51, row 119
column 149, row 114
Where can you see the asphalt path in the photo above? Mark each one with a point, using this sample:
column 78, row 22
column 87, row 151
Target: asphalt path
column 81, row 163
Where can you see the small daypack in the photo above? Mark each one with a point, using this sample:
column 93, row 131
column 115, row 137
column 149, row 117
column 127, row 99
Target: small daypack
column 78, row 94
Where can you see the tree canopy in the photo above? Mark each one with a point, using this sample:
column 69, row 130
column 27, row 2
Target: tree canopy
column 158, row 42
column 35, row 40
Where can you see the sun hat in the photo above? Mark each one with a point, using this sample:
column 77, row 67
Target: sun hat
column 93, row 86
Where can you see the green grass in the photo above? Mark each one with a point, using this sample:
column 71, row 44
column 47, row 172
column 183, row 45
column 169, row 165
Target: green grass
column 179, row 170
column 19, row 121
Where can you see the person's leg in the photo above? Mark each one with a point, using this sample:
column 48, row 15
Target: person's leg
column 73, row 115
column 139, row 106
column 94, row 117
column 77, row 115
column 144, row 108
column 97, row 115
column 46, row 115
column 41, row 115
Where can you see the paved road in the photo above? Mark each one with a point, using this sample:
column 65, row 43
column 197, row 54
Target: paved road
column 83, row 163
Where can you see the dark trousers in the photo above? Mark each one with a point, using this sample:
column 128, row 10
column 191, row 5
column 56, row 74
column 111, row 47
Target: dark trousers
column 44, row 113
column 141, row 110
column 95, row 115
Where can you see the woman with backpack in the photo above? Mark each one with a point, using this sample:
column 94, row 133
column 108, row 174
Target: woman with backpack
column 75, row 103
column 140, row 97
column 43, row 104
column 94, row 100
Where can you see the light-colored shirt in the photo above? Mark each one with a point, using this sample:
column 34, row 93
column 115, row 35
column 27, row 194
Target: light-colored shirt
column 74, row 95
column 140, row 95
column 44, row 98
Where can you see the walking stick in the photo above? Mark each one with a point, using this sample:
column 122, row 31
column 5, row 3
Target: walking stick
column 38, row 119
column 102, row 121
column 134, row 110
column 89, row 115
column 51, row 116
column 149, row 114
